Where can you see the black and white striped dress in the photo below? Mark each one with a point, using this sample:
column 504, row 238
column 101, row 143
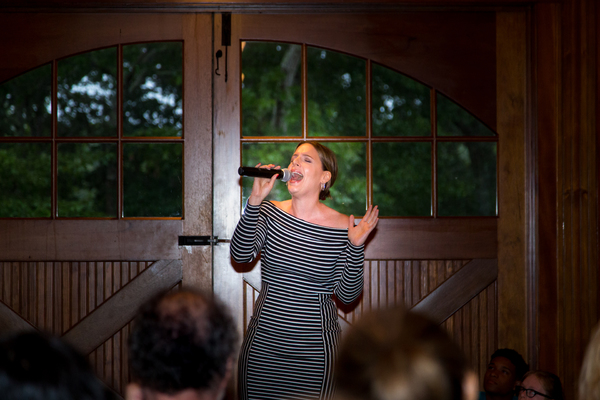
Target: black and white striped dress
column 291, row 342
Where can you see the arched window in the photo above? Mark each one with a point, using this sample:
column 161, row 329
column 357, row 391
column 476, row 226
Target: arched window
column 106, row 143
column 400, row 144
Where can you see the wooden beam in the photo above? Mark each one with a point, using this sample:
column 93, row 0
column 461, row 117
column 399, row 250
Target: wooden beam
column 458, row 290
column 120, row 309
column 10, row 321
column 145, row 6
column 433, row 238
column 66, row 240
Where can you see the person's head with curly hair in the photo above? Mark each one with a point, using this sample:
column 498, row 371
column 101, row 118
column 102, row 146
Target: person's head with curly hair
column 182, row 343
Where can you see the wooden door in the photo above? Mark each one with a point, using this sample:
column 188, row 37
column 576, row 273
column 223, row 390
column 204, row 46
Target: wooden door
column 84, row 279
column 455, row 269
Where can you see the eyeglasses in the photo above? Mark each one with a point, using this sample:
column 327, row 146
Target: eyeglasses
column 530, row 392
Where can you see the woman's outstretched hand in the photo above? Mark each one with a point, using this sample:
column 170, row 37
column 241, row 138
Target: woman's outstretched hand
column 261, row 187
column 358, row 234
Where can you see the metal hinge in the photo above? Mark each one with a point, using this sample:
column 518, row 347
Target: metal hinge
column 199, row 240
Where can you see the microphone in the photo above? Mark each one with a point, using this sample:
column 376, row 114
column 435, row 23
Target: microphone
column 283, row 174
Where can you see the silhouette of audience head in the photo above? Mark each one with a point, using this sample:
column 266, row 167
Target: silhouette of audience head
column 505, row 370
column 394, row 354
column 37, row 366
column 181, row 346
column 542, row 384
column 589, row 377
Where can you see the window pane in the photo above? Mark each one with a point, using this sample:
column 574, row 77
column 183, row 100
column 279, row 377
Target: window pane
column 25, row 108
column 336, row 94
column 467, row 179
column 453, row 120
column 87, row 180
column 271, row 89
column 349, row 193
column 152, row 89
column 402, row 179
column 25, row 186
column 400, row 106
column 87, row 94
column 152, row 179
column 266, row 153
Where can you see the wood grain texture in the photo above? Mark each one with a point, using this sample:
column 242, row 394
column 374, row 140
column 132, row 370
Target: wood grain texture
column 544, row 324
column 458, row 290
column 120, row 308
column 433, row 238
column 54, row 296
column 27, row 240
column 10, row 321
column 511, row 82
column 250, row 6
column 197, row 132
column 577, row 180
column 31, row 40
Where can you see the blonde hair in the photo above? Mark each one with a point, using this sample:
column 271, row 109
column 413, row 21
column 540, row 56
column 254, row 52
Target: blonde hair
column 589, row 377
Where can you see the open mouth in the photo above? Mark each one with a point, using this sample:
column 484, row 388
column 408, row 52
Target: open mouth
column 296, row 176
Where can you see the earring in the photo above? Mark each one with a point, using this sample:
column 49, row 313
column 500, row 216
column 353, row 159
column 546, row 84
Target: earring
column 322, row 187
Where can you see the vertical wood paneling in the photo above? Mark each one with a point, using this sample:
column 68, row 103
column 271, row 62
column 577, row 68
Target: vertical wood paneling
column 474, row 328
column 54, row 296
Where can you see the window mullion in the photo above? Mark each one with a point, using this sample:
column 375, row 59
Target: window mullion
column 54, row 135
column 120, row 132
column 434, row 174
column 368, row 82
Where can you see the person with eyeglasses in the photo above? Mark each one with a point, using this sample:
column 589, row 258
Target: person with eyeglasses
column 540, row 385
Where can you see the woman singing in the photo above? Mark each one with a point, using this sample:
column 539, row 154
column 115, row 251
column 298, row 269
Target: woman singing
column 308, row 252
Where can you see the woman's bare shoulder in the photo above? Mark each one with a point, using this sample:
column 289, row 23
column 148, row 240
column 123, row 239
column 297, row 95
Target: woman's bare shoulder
column 284, row 205
column 336, row 219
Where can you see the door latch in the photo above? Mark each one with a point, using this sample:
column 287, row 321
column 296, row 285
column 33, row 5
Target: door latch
column 198, row 240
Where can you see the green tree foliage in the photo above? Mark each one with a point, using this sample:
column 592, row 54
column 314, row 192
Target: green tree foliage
column 152, row 179
column 402, row 178
column 25, row 184
column 271, row 106
column 87, row 180
column 401, row 106
column 453, row 120
column 87, row 108
column 87, row 94
column 402, row 182
column 336, row 92
column 25, row 104
column 152, row 89
column 467, row 178
column 271, row 91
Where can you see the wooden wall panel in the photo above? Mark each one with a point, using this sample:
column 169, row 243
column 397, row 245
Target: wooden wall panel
column 390, row 282
column 54, row 296
column 474, row 328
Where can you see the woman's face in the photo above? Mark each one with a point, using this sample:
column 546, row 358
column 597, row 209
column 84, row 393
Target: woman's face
column 532, row 382
column 306, row 162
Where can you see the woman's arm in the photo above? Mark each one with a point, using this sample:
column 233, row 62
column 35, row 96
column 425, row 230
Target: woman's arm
column 350, row 285
column 249, row 235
